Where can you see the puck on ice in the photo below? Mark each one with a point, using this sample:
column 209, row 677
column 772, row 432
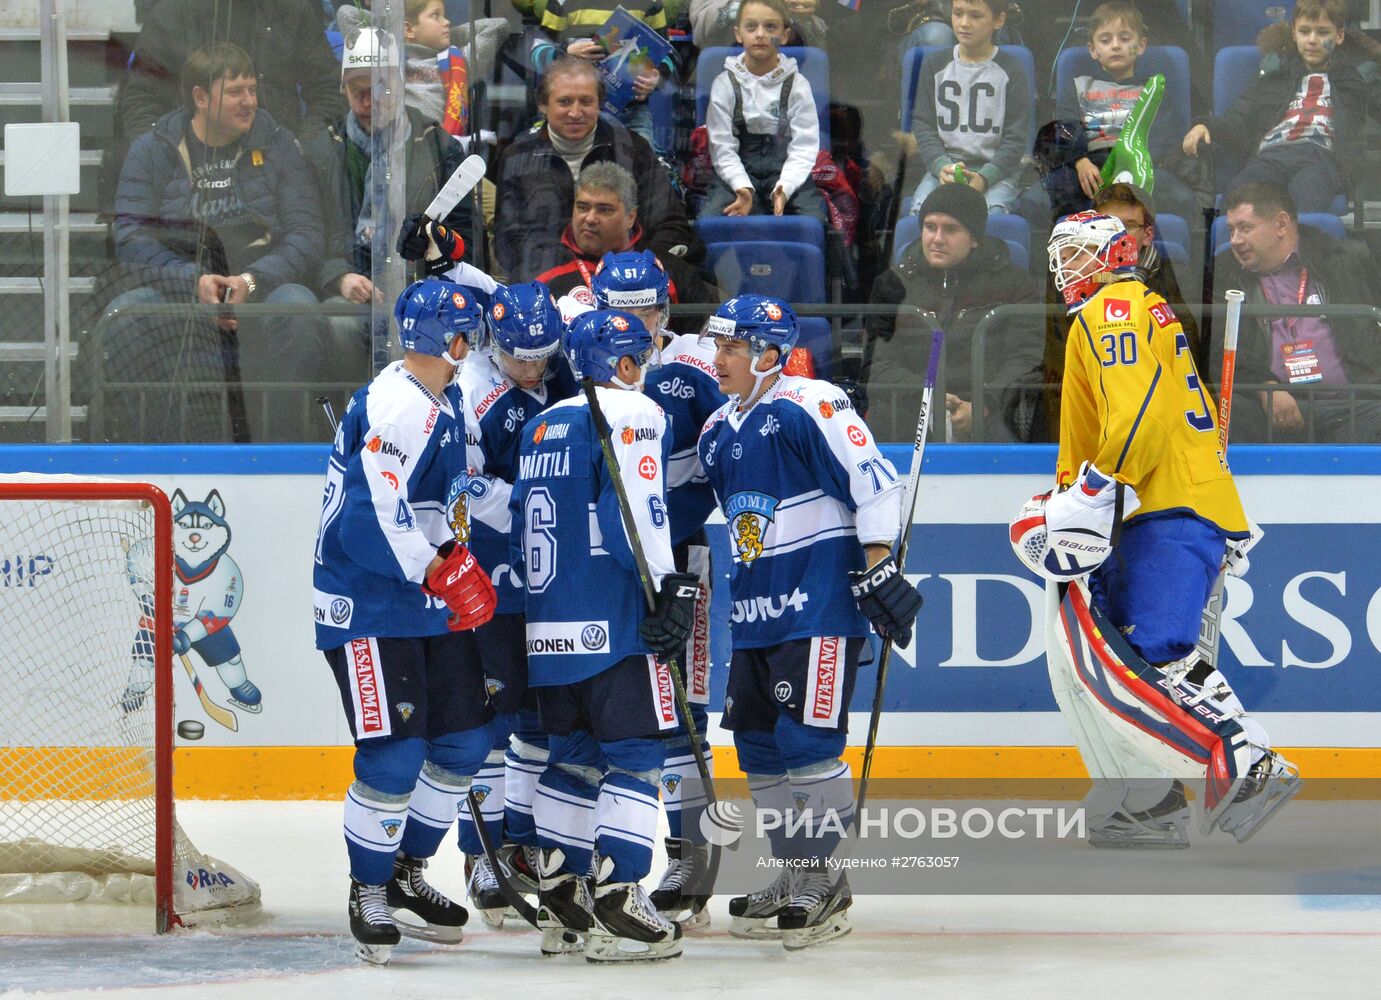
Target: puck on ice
column 190, row 729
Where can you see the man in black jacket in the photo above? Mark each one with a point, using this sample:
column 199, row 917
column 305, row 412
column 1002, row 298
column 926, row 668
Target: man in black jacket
column 536, row 187
column 1298, row 378
column 297, row 74
column 958, row 273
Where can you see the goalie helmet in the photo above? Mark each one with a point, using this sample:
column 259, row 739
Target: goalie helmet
column 1082, row 247
column 431, row 313
column 596, row 340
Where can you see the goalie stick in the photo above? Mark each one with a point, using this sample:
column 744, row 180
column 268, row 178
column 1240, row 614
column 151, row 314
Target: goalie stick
column 1210, row 633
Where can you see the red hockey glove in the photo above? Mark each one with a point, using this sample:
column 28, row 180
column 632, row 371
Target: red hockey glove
column 464, row 586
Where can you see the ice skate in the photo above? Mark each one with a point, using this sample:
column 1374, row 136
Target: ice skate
column 484, row 892
column 686, row 864
column 815, row 913
column 627, row 926
column 1164, row 825
column 246, row 696
column 372, row 923
column 563, row 906
column 409, row 892
column 750, row 914
column 522, row 864
column 1270, row 783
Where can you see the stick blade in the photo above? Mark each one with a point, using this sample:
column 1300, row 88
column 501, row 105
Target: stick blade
column 457, row 186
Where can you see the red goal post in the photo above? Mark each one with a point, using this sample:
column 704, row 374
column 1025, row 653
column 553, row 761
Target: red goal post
column 86, row 719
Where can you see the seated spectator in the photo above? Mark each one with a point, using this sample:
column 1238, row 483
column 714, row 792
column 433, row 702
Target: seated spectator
column 972, row 120
column 958, row 273
column 713, row 22
column 568, row 28
column 537, row 177
column 354, row 191
column 296, row 71
column 1275, row 260
column 1301, row 124
column 1096, row 108
column 216, row 204
column 763, row 133
column 603, row 222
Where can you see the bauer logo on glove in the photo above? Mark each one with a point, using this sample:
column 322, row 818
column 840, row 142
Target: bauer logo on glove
column 1063, row 536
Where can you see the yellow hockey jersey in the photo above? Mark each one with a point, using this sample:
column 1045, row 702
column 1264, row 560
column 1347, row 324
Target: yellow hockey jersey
column 1134, row 405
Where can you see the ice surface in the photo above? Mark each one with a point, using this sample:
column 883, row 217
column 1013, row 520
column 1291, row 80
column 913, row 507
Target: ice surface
column 952, row 947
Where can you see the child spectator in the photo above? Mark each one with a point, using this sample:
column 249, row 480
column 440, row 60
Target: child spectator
column 973, row 110
column 569, row 25
column 1303, row 119
column 763, row 133
column 436, row 74
column 1096, row 106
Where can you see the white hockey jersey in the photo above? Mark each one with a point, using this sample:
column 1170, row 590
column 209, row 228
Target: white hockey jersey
column 802, row 484
column 393, row 483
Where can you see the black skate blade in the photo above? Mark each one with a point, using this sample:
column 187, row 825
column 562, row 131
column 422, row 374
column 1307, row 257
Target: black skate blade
column 436, row 933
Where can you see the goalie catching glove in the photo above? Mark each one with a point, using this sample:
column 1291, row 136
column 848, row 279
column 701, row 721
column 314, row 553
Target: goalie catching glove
column 668, row 625
column 463, row 584
column 420, row 238
column 1063, row 536
column 889, row 602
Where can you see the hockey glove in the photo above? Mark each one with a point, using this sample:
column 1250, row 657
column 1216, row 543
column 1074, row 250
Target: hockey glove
column 181, row 643
column 1236, row 564
column 422, row 239
column 463, row 584
column 1080, row 522
column 412, row 237
column 890, row 603
column 667, row 627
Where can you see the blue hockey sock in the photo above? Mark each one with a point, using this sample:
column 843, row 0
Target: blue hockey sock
column 626, row 824
column 374, row 824
column 435, row 802
column 488, row 787
column 523, row 764
column 683, row 793
column 564, row 813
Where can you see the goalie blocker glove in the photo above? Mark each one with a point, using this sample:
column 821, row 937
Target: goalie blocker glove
column 888, row 601
column 667, row 627
column 463, row 585
column 420, row 238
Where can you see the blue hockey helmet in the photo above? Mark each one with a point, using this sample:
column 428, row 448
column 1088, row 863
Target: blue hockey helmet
column 524, row 322
column 596, row 340
column 759, row 319
column 432, row 312
column 633, row 279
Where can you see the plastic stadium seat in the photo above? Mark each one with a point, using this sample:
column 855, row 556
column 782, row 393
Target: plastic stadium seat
column 1166, row 59
column 813, row 64
column 762, row 228
column 661, row 103
column 1237, row 22
column 1324, row 222
column 911, row 72
column 791, row 271
column 1011, row 229
column 1172, row 229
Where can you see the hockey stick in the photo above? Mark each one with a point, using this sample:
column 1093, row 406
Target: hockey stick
column 325, row 403
column 913, row 483
column 222, row 715
column 461, row 182
column 645, row 575
column 511, row 896
column 1210, row 633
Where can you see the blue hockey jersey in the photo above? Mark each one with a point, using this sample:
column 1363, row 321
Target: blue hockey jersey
column 495, row 411
column 688, row 390
column 394, row 479
column 584, row 597
column 802, row 485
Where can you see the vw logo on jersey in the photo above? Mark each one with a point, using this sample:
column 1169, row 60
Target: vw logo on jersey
column 782, row 691
column 593, row 638
column 340, row 611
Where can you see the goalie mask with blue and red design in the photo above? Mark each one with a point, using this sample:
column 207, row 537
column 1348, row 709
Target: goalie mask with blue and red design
column 1084, row 246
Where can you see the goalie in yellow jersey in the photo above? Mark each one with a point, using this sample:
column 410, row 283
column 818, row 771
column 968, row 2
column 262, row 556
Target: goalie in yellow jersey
column 1141, row 478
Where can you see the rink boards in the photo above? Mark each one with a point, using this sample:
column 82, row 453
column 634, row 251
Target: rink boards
column 1302, row 639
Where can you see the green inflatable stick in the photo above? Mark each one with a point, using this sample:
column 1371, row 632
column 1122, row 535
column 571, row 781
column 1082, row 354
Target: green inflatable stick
column 1130, row 159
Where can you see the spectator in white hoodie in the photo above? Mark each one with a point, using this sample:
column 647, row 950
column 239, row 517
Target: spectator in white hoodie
column 763, row 132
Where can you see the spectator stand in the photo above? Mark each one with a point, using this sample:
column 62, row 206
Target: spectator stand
column 1011, row 229
column 1168, row 60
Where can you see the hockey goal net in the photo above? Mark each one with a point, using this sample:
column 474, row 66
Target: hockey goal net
column 86, row 705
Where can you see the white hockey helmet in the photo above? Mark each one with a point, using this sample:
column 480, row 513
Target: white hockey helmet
column 1082, row 247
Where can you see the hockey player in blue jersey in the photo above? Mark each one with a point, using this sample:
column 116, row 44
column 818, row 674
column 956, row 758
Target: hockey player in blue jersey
column 518, row 374
column 395, row 599
column 686, row 388
column 813, row 509
column 605, row 700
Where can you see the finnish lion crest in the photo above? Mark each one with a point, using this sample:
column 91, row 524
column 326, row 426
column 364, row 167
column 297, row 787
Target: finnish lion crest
column 749, row 514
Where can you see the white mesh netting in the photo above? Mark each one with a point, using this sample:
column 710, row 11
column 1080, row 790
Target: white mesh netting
column 78, row 806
